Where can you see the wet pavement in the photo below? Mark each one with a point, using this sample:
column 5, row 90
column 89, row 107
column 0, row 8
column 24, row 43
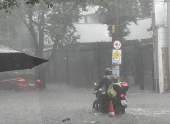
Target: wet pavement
column 61, row 104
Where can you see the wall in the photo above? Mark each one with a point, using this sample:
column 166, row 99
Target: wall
column 140, row 31
column 82, row 64
column 98, row 32
column 92, row 32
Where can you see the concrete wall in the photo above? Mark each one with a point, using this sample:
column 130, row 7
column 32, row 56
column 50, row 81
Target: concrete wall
column 92, row 32
column 140, row 31
column 98, row 32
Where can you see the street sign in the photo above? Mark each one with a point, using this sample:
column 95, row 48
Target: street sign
column 115, row 71
column 116, row 57
column 117, row 44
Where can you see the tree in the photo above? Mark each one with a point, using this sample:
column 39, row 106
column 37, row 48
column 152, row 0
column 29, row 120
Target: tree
column 54, row 24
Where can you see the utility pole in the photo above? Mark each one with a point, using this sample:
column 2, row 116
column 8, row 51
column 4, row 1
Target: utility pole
column 116, row 44
column 117, row 20
column 155, row 48
column 168, row 35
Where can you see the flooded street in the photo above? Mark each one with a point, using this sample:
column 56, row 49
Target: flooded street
column 82, row 42
column 59, row 102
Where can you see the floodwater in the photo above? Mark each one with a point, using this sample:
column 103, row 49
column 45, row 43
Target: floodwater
column 72, row 105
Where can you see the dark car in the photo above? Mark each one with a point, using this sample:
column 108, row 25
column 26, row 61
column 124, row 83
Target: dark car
column 17, row 82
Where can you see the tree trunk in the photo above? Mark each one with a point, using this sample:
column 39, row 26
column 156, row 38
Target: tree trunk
column 41, row 68
column 41, row 75
column 55, row 74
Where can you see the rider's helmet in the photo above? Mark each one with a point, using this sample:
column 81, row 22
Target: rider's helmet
column 108, row 71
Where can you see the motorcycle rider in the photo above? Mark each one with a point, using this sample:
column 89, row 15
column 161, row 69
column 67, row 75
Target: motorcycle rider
column 106, row 80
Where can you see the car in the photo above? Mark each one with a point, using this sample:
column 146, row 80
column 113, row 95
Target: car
column 19, row 82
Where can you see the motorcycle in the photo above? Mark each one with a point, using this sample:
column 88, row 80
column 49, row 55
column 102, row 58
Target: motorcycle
column 120, row 102
column 101, row 103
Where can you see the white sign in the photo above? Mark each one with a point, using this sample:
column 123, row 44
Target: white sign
column 117, row 44
column 116, row 57
column 115, row 71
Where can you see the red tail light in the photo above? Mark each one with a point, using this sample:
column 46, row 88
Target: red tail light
column 122, row 95
column 21, row 80
column 124, row 84
column 38, row 80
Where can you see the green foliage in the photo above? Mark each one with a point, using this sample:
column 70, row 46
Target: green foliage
column 146, row 6
column 57, row 22
column 9, row 31
column 126, row 11
column 32, row 2
column 121, row 13
column 7, row 5
column 60, row 20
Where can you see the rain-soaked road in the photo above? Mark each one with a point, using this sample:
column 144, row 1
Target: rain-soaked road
column 58, row 102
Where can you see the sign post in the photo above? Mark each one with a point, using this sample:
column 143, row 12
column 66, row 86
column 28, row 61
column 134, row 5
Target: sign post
column 116, row 57
column 116, row 44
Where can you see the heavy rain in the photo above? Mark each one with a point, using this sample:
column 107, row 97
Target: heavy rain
column 84, row 61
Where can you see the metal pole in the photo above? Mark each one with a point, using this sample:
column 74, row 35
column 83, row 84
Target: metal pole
column 168, row 24
column 154, row 45
column 117, row 20
column 115, row 36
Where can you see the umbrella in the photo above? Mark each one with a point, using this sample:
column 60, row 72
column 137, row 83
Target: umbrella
column 11, row 59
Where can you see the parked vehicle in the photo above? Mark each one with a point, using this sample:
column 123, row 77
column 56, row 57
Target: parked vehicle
column 119, row 102
column 18, row 82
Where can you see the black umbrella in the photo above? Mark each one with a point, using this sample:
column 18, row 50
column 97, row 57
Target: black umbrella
column 11, row 59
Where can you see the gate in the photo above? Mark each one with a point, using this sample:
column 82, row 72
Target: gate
column 137, row 61
column 147, row 63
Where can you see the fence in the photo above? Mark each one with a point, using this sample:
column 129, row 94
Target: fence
column 137, row 61
column 84, row 63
